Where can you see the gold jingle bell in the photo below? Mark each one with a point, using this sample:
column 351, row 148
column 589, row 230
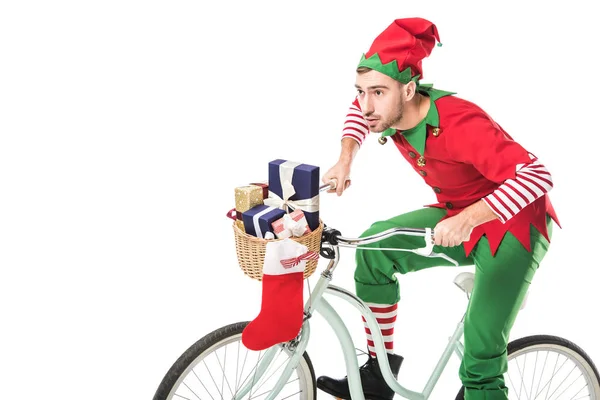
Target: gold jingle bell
column 382, row 140
column 421, row 161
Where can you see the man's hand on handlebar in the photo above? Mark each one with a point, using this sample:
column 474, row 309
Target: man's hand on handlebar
column 340, row 172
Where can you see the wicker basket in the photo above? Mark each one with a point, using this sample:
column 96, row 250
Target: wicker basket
column 251, row 251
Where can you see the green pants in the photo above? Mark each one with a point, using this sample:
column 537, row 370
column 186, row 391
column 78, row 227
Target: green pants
column 501, row 282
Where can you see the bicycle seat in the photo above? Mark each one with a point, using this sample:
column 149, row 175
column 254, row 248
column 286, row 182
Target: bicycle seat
column 465, row 281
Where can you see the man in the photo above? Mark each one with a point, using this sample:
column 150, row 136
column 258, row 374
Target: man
column 493, row 210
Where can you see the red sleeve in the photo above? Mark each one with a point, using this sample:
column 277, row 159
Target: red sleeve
column 533, row 181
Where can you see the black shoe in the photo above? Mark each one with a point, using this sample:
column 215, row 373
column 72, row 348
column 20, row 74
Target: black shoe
column 373, row 384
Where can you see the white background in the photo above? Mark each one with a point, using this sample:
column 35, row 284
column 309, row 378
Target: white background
column 126, row 125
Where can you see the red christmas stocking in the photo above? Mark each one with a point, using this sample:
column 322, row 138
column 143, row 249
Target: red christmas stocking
column 282, row 309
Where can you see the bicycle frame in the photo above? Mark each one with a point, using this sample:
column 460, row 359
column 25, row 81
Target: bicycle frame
column 338, row 326
column 317, row 303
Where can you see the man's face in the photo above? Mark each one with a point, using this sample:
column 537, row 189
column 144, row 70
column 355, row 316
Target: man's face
column 381, row 100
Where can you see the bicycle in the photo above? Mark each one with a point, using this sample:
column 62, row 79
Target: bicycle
column 183, row 381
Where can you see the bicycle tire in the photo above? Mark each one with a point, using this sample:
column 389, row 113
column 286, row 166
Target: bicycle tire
column 536, row 340
column 183, row 364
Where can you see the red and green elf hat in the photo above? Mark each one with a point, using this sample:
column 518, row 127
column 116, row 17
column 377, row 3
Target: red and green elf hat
column 398, row 50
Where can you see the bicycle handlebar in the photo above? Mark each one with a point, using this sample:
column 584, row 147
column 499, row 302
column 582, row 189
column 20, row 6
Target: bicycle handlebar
column 333, row 236
column 423, row 232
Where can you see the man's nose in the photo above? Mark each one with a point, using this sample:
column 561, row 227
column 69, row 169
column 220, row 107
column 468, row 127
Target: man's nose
column 367, row 106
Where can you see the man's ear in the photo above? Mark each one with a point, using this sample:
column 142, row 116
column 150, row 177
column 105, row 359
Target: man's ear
column 410, row 89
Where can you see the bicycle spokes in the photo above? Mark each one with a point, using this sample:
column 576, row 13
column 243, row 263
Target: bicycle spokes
column 545, row 373
column 233, row 372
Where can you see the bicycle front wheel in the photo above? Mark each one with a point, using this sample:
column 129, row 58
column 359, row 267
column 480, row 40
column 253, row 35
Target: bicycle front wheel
column 549, row 367
column 218, row 366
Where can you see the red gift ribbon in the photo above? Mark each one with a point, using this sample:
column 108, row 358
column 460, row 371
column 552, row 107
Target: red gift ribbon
column 292, row 262
column 265, row 188
column 231, row 214
column 234, row 214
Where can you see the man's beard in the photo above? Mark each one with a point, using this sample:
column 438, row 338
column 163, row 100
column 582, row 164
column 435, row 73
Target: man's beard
column 393, row 120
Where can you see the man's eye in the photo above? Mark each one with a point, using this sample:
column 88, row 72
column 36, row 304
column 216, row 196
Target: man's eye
column 360, row 92
column 378, row 92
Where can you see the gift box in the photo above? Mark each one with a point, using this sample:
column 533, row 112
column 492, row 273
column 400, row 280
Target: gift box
column 246, row 197
column 265, row 188
column 292, row 186
column 292, row 224
column 240, row 224
column 258, row 220
column 237, row 221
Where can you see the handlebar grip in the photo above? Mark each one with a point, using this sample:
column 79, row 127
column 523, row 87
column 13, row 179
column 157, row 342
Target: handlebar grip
column 331, row 185
column 330, row 235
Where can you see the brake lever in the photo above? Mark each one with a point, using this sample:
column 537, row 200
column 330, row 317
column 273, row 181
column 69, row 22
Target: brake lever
column 444, row 256
column 427, row 251
column 327, row 252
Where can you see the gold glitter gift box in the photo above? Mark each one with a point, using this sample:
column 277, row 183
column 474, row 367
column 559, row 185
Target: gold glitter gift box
column 247, row 197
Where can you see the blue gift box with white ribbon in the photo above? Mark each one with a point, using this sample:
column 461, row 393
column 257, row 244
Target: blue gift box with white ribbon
column 258, row 219
column 293, row 185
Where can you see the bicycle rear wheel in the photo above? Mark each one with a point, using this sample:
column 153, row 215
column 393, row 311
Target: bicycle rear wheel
column 218, row 366
column 549, row 367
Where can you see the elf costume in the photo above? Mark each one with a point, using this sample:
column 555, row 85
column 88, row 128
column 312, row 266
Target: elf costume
column 464, row 156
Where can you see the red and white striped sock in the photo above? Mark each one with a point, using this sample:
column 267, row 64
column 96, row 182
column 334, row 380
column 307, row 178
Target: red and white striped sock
column 386, row 318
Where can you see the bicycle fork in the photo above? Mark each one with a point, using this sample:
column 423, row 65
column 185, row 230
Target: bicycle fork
column 267, row 359
column 299, row 345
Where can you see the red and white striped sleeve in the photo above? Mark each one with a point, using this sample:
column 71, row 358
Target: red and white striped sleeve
column 355, row 126
column 532, row 181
